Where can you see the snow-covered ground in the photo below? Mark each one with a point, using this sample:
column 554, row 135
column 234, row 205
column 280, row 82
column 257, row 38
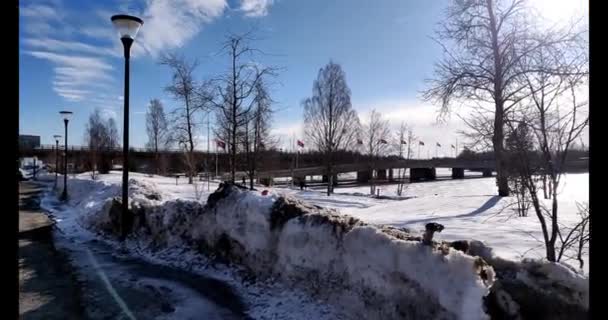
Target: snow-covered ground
column 468, row 208
column 263, row 300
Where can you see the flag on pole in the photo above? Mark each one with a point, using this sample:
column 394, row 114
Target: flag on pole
column 383, row 141
column 438, row 145
column 359, row 141
column 403, row 142
column 453, row 147
column 420, row 143
column 221, row 144
column 300, row 144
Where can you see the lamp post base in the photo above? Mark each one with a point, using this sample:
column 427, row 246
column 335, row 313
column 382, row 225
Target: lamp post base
column 64, row 196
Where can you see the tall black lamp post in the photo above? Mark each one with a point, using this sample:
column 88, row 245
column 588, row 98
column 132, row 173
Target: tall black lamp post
column 66, row 118
column 57, row 137
column 127, row 27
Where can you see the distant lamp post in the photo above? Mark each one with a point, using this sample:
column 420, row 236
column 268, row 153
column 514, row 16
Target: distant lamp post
column 57, row 137
column 127, row 27
column 66, row 118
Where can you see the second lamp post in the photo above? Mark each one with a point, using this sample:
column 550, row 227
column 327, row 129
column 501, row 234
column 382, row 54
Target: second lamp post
column 57, row 137
column 66, row 118
column 127, row 27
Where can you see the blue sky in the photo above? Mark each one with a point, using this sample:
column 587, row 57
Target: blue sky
column 71, row 58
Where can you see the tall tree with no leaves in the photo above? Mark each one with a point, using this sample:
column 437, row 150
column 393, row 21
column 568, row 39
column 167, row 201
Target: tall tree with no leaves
column 376, row 133
column 101, row 136
column 156, row 127
column 556, row 117
column 257, row 129
column 330, row 122
column 236, row 92
column 489, row 38
column 405, row 137
column 183, row 88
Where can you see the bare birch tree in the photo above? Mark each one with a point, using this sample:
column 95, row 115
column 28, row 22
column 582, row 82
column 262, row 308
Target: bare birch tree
column 490, row 38
column 101, row 136
column 405, row 137
column 156, row 127
column 236, row 91
column 330, row 122
column 183, row 88
column 257, row 129
column 556, row 117
column 376, row 133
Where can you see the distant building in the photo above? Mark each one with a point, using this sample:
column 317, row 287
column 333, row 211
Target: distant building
column 27, row 142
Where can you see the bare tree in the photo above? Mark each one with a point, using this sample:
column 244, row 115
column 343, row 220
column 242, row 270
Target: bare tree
column 183, row 88
column 156, row 127
column 405, row 137
column 490, row 37
column 101, row 136
column 257, row 129
column 376, row 135
column 330, row 121
column 556, row 119
column 236, row 92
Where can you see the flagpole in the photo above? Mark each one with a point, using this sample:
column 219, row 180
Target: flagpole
column 216, row 166
column 208, row 149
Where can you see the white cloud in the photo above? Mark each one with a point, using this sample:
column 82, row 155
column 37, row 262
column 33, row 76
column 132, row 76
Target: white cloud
column 108, row 113
column 74, row 74
column 255, row 8
column 422, row 117
column 37, row 28
column 66, row 46
column 170, row 24
column 40, row 11
column 286, row 133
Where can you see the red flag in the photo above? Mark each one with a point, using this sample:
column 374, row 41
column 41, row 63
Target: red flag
column 221, row 144
column 438, row 145
column 383, row 141
column 403, row 142
column 359, row 141
column 300, row 144
column 421, row 143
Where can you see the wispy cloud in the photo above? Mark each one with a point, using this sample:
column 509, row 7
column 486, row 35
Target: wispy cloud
column 169, row 24
column 81, row 70
column 74, row 72
column 255, row 8
column 67, row 46
column 40, row 11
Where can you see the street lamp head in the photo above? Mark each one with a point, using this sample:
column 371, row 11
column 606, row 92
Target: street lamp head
column 126, row 25
column 66, row 115
column 57, row 137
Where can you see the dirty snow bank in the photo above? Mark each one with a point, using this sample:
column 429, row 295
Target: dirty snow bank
column 366, row 270
column 360, row 268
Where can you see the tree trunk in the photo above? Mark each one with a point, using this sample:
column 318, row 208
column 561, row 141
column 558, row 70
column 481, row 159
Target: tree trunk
column 499, row 154
column 498, row 138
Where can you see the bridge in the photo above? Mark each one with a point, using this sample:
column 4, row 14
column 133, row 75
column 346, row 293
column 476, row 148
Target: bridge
column 384, row 169
column 420, row 169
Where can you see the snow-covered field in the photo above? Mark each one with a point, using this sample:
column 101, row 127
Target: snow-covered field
column 469, row 209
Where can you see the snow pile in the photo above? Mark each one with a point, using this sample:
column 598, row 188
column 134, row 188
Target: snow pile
column 533, row 288
column 366, row 270
column 358, row 267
